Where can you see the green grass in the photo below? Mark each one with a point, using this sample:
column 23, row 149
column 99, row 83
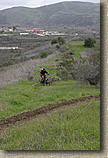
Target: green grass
column 44, row 54
column 22, row 96
column 61, row 129
column 77, row 47
column 67, row 128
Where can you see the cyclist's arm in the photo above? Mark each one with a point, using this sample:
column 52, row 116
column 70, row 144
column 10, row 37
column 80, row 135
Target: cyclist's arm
column 40, row 73
column 47, row 72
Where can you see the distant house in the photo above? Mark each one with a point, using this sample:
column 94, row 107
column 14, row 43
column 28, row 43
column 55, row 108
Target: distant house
column 11, row 30
column 24, row 33
column 39, row 31
column 5, row 29
column 8, row 48
column 29, row 30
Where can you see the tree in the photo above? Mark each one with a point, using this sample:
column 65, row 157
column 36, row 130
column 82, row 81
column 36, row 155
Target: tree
column 54, row 41
column 61, row 40
column 89, row 42
column 86, row 69
column 57, row 46
column 14, row 28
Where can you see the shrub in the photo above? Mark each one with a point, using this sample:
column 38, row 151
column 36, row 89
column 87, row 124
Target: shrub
column 85, row 69
column 89, row 42
column 61, row 40
column 63, row 74
column 57, row 60
column 44, row 54
column 57, row 46
column 54, row 41
column 64, row 48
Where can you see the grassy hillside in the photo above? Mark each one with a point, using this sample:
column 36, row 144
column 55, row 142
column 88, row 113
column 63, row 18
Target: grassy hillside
column 73, row 127
column 22, row 96
column 60, row 14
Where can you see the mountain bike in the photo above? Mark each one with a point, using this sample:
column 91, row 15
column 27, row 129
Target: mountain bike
column 44, row 81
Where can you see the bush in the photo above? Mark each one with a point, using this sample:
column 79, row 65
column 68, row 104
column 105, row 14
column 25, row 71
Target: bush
column 64, row 48
column 61, row 40
column 44, row 54
column 57, row 60
column 85, row 69
column 57, row 46
column 54, row 41
column 63, row 74
column 89, row 42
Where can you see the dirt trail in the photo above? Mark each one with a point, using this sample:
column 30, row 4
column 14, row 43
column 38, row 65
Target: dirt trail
column 27, row 115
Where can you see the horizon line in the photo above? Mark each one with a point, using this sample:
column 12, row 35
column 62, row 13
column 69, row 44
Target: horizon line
column 31, row 7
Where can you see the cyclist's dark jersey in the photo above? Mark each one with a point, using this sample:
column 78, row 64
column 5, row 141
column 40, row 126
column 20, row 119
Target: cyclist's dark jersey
column 43, row 72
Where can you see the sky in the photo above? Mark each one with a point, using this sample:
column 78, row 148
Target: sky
column 34, row 3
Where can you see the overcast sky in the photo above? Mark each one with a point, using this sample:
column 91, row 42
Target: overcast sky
column 34, row 3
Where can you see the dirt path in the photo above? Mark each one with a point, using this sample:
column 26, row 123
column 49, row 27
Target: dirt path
column 29, row 114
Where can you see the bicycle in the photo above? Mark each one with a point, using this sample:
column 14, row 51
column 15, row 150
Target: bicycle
column 44, row 81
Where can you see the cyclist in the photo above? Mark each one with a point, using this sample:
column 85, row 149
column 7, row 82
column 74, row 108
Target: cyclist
column 43, row 72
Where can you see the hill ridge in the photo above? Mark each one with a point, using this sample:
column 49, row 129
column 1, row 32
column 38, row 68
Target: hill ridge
column 79, row 14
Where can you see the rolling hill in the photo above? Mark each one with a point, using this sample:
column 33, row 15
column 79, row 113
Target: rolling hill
column 78, row 14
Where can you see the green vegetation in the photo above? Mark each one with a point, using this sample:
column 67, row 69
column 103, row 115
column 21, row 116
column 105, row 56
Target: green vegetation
column 54, row 41
column 44, row 54
column 14, row 28
column 59, row 40
column 67, row 128
column 76, row 47
column 72, row 127
column 21, row 96
column 73, row 65
column 57, row 46
column 89, row 42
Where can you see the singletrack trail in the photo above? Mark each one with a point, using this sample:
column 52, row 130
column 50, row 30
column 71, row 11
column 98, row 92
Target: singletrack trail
column 46, row 109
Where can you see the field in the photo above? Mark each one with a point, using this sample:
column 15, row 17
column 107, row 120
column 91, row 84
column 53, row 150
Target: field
column 67, row 128
column 74, row 126
column 23, row 96
column 28, row 47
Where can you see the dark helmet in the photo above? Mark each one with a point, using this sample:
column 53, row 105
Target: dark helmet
column 43, row 68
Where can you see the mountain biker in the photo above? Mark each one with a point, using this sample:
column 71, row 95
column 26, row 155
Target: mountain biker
column 43, row 72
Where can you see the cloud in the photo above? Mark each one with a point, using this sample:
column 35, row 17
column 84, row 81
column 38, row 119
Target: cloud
column 13, row 2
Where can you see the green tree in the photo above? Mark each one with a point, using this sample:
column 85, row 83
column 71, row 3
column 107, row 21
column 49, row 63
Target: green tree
column 14, row 28
column 57, row 46
column 89, row 42
column 61, row 40
column 54, row 41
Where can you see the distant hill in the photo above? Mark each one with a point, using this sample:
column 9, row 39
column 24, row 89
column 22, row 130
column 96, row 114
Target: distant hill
column 79, row 14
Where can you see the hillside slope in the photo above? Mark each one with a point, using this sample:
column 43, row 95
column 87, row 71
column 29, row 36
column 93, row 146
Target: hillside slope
column 60, row 14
